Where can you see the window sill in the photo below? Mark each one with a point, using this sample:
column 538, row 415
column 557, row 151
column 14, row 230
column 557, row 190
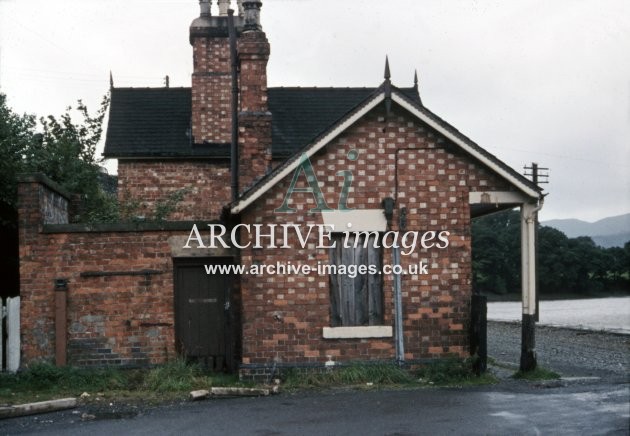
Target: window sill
column 359, row 332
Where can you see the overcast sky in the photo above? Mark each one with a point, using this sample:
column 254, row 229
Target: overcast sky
column 531, row 81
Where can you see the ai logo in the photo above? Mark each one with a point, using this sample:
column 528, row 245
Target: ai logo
column 313, row 188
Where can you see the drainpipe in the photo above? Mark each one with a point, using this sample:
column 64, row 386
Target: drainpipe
column 388, row 206
column 234, row 140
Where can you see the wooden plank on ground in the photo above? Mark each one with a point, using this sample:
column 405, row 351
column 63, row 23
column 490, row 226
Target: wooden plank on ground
column 39, row 407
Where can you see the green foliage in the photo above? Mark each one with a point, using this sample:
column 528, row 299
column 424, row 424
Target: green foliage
column 164, row 208
column 379, row 374
column 176, row 375
column 565, row 265
column 65, row 151
column 536, row 374
column 47, row 377
column 452, row 372
column 16, row 136
column 58, row 147
column 496, row 252
column 44, row 380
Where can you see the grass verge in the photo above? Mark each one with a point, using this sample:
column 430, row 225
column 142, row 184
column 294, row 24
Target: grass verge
column 170, row 381
column 174, row 380
column 452, row 372
column 536, row 375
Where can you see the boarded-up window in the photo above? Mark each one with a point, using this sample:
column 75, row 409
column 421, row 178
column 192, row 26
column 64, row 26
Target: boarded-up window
column 356, row 299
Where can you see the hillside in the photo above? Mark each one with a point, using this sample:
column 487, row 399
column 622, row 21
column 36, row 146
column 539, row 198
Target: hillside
column 608, row 232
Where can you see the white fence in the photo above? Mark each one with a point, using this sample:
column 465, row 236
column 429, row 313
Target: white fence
column 10, row 342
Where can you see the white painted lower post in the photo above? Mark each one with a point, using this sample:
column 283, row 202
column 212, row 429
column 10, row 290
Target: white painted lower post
column 2, row 315
column 528, row 286
column 13, row 331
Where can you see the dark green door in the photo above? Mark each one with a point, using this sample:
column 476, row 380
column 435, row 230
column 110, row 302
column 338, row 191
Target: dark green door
column 202, row 312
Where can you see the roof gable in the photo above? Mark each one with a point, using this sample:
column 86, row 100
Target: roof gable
column 416, row 109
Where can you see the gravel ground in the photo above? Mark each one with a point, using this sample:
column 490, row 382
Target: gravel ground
column 572, row 353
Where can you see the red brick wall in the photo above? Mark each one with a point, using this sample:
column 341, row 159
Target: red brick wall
column 112, row 320
column 151, row 181
column 283, row 316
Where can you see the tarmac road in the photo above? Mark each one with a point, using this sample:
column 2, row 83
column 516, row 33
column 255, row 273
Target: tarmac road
column 507, row 410
column 597, row 404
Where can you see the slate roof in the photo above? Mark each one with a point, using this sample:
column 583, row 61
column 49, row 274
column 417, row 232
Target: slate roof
column 155, row 122
column 302, row 114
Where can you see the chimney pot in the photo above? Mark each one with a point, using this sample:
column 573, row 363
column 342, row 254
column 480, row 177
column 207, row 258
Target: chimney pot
column 224, row 5
column 204, row 7
column 251, row 14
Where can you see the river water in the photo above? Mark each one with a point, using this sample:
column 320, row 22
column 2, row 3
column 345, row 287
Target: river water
column 609, row 314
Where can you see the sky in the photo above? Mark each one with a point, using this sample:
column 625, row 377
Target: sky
column 530, row 81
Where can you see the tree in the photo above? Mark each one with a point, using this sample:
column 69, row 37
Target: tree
column 565, row 265
column 16, row 135
column 496, row 252
column 63, row 150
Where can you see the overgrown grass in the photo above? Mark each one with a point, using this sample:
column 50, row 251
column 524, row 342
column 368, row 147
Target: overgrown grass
column 44, row 381
column 537, row 374
column 453, row 372
column 176, row 378
column 378, row 374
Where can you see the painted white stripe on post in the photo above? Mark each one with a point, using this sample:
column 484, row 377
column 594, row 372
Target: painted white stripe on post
column 2, row 315
column 13, row 331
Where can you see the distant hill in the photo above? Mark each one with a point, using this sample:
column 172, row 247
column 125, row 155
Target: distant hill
column 608, row 232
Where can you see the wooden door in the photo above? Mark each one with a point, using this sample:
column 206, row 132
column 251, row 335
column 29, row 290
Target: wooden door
column 202, row 312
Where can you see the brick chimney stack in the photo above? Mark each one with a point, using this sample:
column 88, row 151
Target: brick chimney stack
column 254, row 116
column 211, row 85
column 211, row 78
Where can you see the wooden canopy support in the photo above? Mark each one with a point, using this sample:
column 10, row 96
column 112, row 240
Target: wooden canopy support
column 488, row 202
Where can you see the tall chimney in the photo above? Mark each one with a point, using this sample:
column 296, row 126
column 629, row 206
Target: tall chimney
column 211, row 78
column 254, row 118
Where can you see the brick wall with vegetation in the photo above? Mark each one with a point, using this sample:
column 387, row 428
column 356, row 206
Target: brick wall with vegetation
column 117, row 319
column 204, row 188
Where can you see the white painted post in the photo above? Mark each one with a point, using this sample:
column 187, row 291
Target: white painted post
column 528, row 285
column 13, row 330
column 2, row 315
column 526, row 265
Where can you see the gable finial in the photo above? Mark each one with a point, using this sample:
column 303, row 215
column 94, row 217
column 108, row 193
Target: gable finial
column 415, row 85
column 387, row 88
column 111, row 80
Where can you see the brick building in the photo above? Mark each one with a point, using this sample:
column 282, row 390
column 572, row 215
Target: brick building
column 359, row 167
